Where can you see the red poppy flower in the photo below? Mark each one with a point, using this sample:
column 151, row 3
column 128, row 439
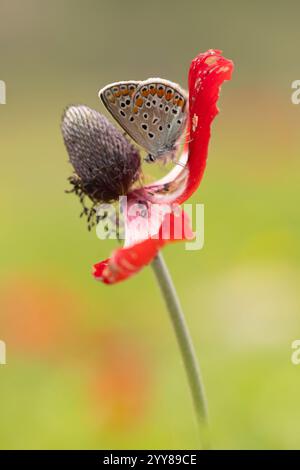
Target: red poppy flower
column 152, row 215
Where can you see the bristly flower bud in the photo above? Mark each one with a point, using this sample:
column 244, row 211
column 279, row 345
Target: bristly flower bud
column 105, row 162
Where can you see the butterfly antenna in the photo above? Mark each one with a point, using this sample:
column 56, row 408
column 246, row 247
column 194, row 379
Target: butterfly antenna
column 179, row 163
column 185, row 141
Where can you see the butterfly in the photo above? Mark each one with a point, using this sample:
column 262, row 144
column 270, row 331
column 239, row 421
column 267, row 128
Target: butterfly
column 153, row 112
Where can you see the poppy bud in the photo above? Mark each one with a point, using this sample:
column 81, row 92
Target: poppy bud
column 105, row 162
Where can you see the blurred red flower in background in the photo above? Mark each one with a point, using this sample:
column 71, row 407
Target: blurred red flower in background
column 37, row 317
column 119, row 380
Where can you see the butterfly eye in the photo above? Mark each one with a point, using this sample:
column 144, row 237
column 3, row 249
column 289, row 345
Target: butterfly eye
column 150, row 158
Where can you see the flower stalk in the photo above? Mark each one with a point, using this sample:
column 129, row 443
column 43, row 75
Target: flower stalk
column 185, row 345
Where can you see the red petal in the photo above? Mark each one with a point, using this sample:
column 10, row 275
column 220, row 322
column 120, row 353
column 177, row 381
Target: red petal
column 207, row 73
column 126, row 261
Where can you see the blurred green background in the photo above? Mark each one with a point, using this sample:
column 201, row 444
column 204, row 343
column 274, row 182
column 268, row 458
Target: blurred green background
column 92, row 366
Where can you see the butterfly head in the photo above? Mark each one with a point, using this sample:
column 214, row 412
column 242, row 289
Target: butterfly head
column 164, row 155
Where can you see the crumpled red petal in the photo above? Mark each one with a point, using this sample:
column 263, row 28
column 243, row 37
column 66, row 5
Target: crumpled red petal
column 206, row 75
column 126, row 261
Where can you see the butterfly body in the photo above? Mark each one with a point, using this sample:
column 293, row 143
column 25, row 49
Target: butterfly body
column 153, row 112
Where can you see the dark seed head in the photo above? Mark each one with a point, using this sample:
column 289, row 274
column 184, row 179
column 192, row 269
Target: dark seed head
column 105, row 162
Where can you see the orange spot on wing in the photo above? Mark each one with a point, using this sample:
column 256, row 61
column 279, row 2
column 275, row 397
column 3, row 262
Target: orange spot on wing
column 117, row 93
column 180, row 102
column 169, row 96
column 124, row 92
column 160, row 93
column 145, row 93
column 153, row 91
column 139, row 102
column 135, row 110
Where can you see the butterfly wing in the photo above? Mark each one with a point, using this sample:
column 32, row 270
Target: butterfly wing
column 160, row 114
column 152, row 112
column 118, row 100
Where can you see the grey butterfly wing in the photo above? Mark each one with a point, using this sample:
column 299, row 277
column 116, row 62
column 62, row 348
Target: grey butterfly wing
column 118, row 100
column 160, row 115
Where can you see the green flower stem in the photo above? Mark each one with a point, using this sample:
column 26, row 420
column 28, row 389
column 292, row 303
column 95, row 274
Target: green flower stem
column 185, row 344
